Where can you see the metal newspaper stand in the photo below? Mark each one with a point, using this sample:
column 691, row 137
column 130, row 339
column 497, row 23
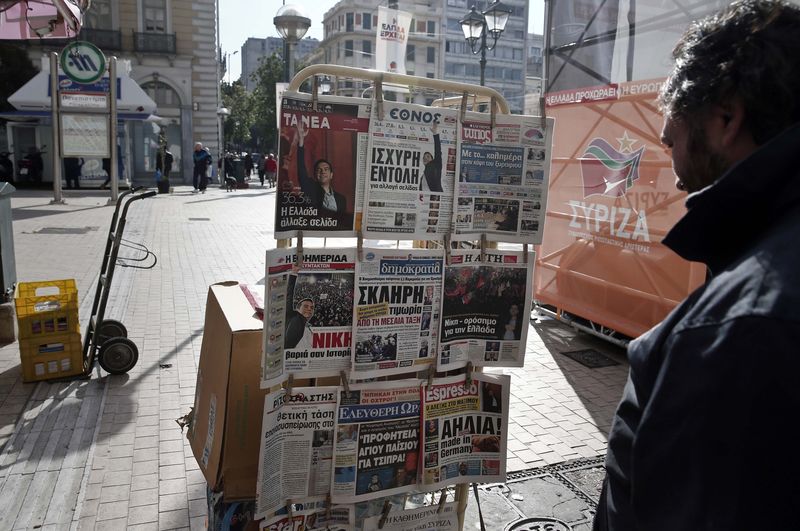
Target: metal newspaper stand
column 462, row 96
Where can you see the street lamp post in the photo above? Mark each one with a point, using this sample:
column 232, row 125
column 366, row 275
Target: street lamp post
column 476, row 25
column 292, row 24
column 222, row 112
column 228, row 64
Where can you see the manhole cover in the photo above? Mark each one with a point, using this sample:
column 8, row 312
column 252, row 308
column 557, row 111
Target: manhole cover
column 590, row 357
column 539, row 523
column 64, row 230
column 199, row 219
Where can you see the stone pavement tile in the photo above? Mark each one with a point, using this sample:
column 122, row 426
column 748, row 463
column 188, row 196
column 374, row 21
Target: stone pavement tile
column 111, row 525
column 197, row 508
column 172, row 486
column 143, row 514
column 148, row 441
column 141, row 468
column 145, row 454
column 113, row 510
column 172, row 502
column 197, row 491
column 143, row 527
column 147, row 496
column 114, row 494
column 173, row 519
column 117, row 478
column 119, row 464
column 171, row 458
column 87, row 523
column 194, row 476
column 198, row 523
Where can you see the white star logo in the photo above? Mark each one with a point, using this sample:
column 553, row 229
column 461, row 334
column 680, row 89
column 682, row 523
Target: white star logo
column 626, row 143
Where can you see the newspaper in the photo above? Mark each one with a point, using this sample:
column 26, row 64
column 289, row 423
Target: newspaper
column 312, row 516
column 502, row 178
column 424, row 518
column 464, row 437
column 322, row 154
column 485, row 309
column 308, row 318
column 397, row 301
column 296, row 447
column 410, row 170
column 377, row 441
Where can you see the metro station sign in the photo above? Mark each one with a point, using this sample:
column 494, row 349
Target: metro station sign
column 83, row 62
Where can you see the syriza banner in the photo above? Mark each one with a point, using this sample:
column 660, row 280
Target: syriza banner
column 391, row 39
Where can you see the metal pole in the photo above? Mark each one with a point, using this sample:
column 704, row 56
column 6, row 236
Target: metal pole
column 287, row 74
column 112, row 78
column 55, row 118
column 483, row 55
column 221, row 177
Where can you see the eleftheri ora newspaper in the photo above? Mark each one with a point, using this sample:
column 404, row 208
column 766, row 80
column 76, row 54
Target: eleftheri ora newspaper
column 503, row 177
column 464, row 433
column 296, row 447
column 397, row 301
column 377, row 441
column 410, row 169
column 308, row 313
column 321, row 158
column 485, row 309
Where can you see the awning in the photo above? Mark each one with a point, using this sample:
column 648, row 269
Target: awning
column 35, row 96
column 24, row 116
column 41, row 19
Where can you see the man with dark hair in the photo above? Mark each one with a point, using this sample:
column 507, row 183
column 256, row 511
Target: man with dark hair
column 318, row 191
column 432, row 172
column 298, row 330
column 701, row 437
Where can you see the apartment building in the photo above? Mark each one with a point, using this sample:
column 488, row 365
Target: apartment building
column 436, row 45
column 533, row 81
column 172, row 49
column 254, row 49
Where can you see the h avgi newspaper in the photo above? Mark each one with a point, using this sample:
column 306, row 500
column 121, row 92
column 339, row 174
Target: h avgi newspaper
column 321, row 160
column 410, row 169
column 431, row 517
column 308, row 314
column 376, row 453
column 397, row 304
column 486, row 306
column 464, row 435
column 296, row 454
column 503, row 178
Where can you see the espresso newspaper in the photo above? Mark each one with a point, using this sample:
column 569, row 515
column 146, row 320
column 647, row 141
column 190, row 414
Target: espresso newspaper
column 296, row 447
column 308, row 314
column 321, row 152
column 503, row 177
column 486, row 305
column 440, row 518
column 397, row 301
column 377, row 441
column 464, row 433
column 410, row 169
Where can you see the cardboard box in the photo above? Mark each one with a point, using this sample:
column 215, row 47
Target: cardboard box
column 225, row 429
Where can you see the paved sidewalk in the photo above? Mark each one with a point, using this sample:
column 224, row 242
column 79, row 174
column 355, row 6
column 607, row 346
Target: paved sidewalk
column 106, row 453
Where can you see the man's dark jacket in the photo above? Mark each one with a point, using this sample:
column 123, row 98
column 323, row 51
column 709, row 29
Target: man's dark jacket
column 433, row 169
column 704, row 436
column 312, row 189
column 295, row 328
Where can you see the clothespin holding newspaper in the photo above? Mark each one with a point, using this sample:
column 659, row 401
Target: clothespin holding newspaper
column 524, row 253
column 387, row 506
column 468, row 373
column 464, row 99
column 493, row 110
column 289, row 385
column 431, row 373
column 447, row 249
column 328, row 504
column 299, row 251
column 289, row 510
column 379, row 98
column 360, row 245
column 542, row 115
column 442, row 500
column 345, row 383
column 483, row 247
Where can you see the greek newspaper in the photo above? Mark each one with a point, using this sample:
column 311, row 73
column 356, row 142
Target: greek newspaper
column 377, row 441
column 296, row 447
column 410, row 169
column 312, row 516
column 464, row 430
column 308, row 318
column 321, row 158
column 424, row 518
column 397, row 311
column 485, row 309
column 502, row 178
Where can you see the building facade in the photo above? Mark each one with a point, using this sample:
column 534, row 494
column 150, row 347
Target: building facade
column 254, row 49
column 436, row 45
column 173, row 58
column 533, row 82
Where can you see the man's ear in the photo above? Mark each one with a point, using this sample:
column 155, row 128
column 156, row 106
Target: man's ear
column 728, row 130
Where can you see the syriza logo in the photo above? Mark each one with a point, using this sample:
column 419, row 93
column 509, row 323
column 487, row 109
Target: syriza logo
column 607, row 171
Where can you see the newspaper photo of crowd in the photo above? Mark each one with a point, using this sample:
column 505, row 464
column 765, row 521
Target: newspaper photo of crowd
column 332, row 294
column 377, row 348
column 496, row 214
column 484, row 290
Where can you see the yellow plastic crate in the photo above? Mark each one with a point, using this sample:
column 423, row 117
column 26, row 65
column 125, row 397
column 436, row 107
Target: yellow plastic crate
column 47, row 308
column 56, row 356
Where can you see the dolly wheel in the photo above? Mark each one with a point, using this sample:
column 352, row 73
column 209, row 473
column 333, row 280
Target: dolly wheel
column 111, row 328
column 118, row 355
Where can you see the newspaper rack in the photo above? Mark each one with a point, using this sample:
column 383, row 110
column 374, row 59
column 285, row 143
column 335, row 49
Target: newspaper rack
column 469, row 97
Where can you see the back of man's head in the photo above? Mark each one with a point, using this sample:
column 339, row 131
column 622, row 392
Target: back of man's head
column 748, row 51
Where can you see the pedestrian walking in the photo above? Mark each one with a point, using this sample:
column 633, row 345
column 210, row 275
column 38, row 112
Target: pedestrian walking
column 248, row 165
column 202, row 161
column 72, row 171
column 700, row 439
column 271, row 169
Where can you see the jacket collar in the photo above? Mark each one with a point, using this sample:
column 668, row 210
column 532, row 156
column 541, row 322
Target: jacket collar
column 725, row 218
